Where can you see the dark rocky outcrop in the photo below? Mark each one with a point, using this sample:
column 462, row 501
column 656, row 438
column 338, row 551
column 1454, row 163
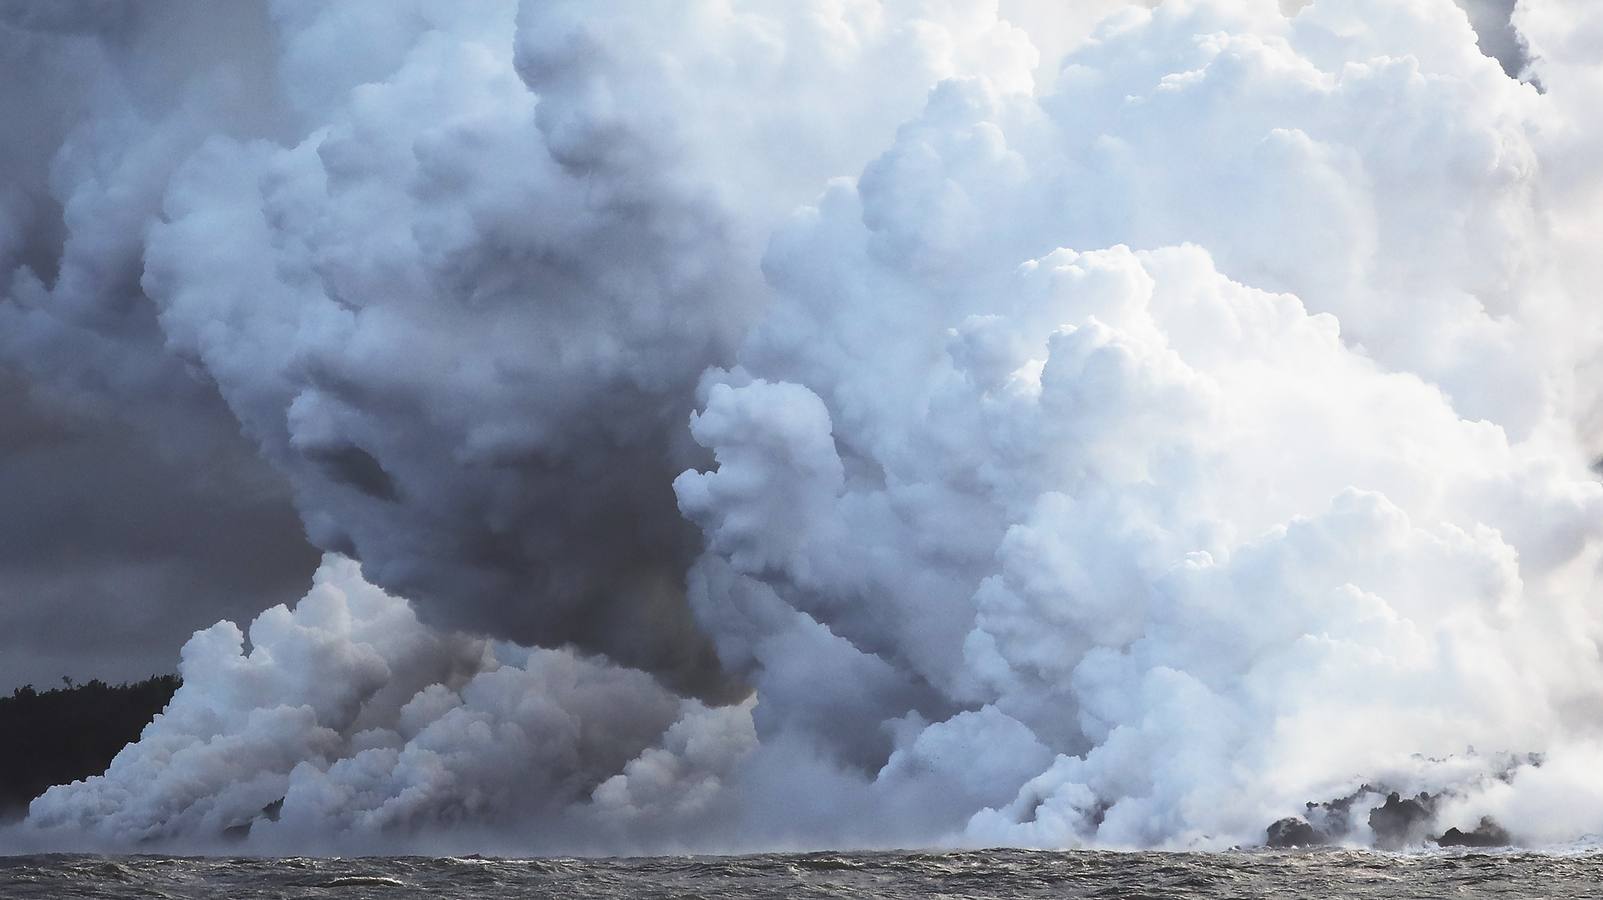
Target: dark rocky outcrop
column 1402, row 822
column 1321, row 823
column 241, row 831
column 1295, row 832
column 1487, row 834
column 1398, row 821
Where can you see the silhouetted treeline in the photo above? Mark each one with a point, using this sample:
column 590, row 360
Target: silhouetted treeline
column 62, row 735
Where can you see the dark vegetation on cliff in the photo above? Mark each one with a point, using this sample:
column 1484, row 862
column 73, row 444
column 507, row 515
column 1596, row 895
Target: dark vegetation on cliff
column 61, row 735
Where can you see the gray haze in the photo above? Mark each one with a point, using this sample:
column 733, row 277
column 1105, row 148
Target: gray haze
column 115, row 549
column 134, row 511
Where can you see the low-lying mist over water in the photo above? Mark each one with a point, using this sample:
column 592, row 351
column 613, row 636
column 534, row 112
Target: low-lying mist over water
column 791, row 424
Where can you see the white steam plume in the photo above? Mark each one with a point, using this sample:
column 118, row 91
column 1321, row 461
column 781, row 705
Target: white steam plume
column 1120, row 452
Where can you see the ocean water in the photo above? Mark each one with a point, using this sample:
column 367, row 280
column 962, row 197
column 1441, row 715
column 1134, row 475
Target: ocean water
column 991, row 873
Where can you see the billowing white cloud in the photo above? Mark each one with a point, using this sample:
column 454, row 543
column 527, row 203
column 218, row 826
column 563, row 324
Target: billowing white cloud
column 1221, row 550
column 345, row 719
column 896, row 436
column 531, row 228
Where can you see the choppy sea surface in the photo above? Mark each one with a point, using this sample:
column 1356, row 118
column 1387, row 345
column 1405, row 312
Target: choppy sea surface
column 991, row 873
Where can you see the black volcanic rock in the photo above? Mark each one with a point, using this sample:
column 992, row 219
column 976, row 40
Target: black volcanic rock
column 1334, row 817
column 1401, row 822
column 1294, row 832
column 1487, row 834
column 241, row 830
